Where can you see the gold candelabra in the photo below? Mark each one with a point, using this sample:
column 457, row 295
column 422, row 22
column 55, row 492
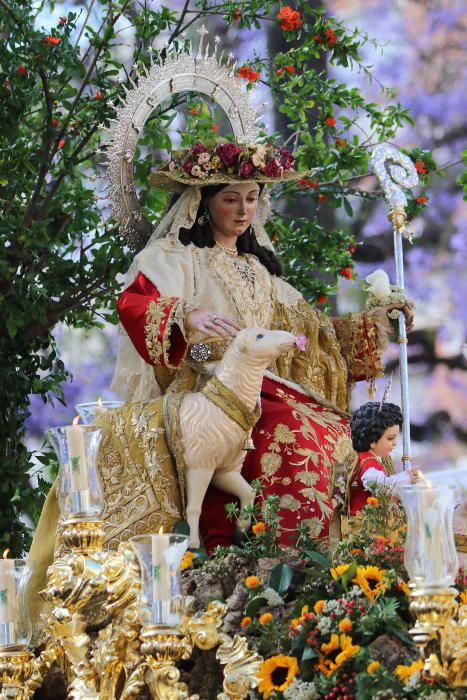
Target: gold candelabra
column 132, row 596
column 127, row 654
column 431, row 561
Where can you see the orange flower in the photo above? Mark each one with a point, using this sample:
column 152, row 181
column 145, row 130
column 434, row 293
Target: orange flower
column 248, row 73
column 252, row 582
column 330, row 121
column 258, row 528
column 341, row 143
column 322, row 299
column 236, row 14
column 355, row 551
column 303, row 182
column 290, row 18
column 312, row 184
column 331, row 37
column 280, row 72
column 62, row 21
column 290, row 69
column 215, row 128
column 265, row 618
column 61, row 143
column 187, row 561
column 317, row 38
column 318, row 606
column 22, row 70
column 246, row 621
column 420, row 167
column 99, row 95
column 322, row 198
column 402, row 586
column 372, row 667
column 345, row 625
column 372, row 501
column 52, row 40
column 421, row 199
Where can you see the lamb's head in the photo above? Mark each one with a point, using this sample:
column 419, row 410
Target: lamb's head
column 261, row 347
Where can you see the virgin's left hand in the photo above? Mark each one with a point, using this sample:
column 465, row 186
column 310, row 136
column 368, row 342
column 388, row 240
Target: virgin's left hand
column 407, row 311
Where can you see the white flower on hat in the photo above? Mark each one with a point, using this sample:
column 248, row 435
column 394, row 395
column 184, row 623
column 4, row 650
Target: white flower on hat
column 379, row 283
column 203, row 158
column 196, row 171
column 172, row 166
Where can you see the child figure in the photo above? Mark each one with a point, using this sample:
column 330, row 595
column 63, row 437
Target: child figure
column 374, row 429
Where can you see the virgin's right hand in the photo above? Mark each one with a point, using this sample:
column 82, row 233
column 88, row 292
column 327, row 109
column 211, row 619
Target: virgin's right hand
column 209, row 323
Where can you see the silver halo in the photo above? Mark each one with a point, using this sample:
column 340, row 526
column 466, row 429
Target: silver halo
column 210, row 75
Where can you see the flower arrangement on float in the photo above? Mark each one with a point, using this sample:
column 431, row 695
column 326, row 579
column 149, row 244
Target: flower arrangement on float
column 334, row 627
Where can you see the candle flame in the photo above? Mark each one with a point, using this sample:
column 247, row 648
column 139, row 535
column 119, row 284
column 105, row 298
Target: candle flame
column 75, row 420
column 161, row 530
column 5, row 553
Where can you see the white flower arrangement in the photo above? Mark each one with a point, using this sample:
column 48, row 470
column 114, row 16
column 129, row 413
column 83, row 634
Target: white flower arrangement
column 301, row 690
column 381, row 293
column 273, row 598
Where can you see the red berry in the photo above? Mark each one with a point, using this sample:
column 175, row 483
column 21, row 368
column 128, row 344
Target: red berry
column 22, row 70
column 361, row 608
column 346, row 272
column 352, row 249
column 332, row 615
column 55, row 122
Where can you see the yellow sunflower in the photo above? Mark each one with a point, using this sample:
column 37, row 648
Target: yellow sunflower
column 338, row 571
column 371, row 580
column 404, row 672
column 335, row 653
column 276, row 673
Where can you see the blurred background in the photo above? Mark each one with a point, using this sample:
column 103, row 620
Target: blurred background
column 424, row 61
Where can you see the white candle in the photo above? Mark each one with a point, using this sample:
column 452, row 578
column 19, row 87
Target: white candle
column 77, row 456
column 161, row 589
column 99, row 410
column 8, row 608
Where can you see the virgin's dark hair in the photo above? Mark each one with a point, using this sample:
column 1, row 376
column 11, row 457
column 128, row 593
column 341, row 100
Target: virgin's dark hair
column 201, row 236
column 370, row 421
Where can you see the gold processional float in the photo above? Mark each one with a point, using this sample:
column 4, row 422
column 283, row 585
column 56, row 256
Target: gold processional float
column 145, row 624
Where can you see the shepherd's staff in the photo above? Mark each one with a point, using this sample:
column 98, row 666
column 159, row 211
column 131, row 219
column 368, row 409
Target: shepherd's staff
column 396, row 172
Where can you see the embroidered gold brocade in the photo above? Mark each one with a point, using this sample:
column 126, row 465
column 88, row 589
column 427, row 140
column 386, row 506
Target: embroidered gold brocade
column 358, row 338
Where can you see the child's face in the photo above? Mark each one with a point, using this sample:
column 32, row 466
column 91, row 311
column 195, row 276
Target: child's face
column 387, row 442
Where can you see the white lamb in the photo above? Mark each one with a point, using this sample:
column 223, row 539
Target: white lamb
column 213, row 441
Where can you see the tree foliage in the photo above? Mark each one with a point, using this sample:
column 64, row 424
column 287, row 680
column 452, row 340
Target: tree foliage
column 59, row 83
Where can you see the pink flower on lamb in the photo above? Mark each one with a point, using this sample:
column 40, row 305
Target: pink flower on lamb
column 300, row 342
column 246, row 169
column 228, row 153
column 273, row 169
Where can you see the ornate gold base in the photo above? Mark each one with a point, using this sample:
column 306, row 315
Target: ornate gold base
column 442, row 640
column 15, row 669
column 86, row 536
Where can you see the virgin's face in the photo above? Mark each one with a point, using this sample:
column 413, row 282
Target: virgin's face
column 232, row 210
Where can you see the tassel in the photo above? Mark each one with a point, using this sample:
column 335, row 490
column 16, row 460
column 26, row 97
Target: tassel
column 371, row 390
column 248, row 445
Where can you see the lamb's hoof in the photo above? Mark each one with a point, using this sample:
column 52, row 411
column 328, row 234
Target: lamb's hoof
column 240, row 536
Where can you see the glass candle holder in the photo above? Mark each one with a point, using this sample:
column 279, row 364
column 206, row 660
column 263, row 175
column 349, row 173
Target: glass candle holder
column 79, row 488
column 160, row 557
column 93, row 409
column 430, row 552
column 15, row 626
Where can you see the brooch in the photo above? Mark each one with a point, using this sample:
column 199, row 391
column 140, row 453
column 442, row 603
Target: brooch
column 200, row 352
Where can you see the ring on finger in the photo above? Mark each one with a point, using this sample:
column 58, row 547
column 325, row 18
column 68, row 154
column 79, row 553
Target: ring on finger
column 215, row 319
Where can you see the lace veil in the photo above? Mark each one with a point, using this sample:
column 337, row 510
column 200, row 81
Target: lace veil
column 133, row 377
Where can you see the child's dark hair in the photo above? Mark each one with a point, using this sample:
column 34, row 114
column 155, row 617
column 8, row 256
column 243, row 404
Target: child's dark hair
column 370, row 421
column 202, row 236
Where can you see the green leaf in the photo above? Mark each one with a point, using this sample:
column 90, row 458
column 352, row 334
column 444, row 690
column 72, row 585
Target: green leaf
column 348, row 575
column 319, row 559
column 280, row 578
column 255, row 605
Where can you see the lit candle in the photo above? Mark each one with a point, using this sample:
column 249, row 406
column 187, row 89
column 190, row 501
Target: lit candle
column 77, row 456
column 99, row 410
column 8, row 610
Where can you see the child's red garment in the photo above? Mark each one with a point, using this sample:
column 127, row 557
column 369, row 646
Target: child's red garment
column 357, row 491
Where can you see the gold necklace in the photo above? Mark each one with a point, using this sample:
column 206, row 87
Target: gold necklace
column 229, row 251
